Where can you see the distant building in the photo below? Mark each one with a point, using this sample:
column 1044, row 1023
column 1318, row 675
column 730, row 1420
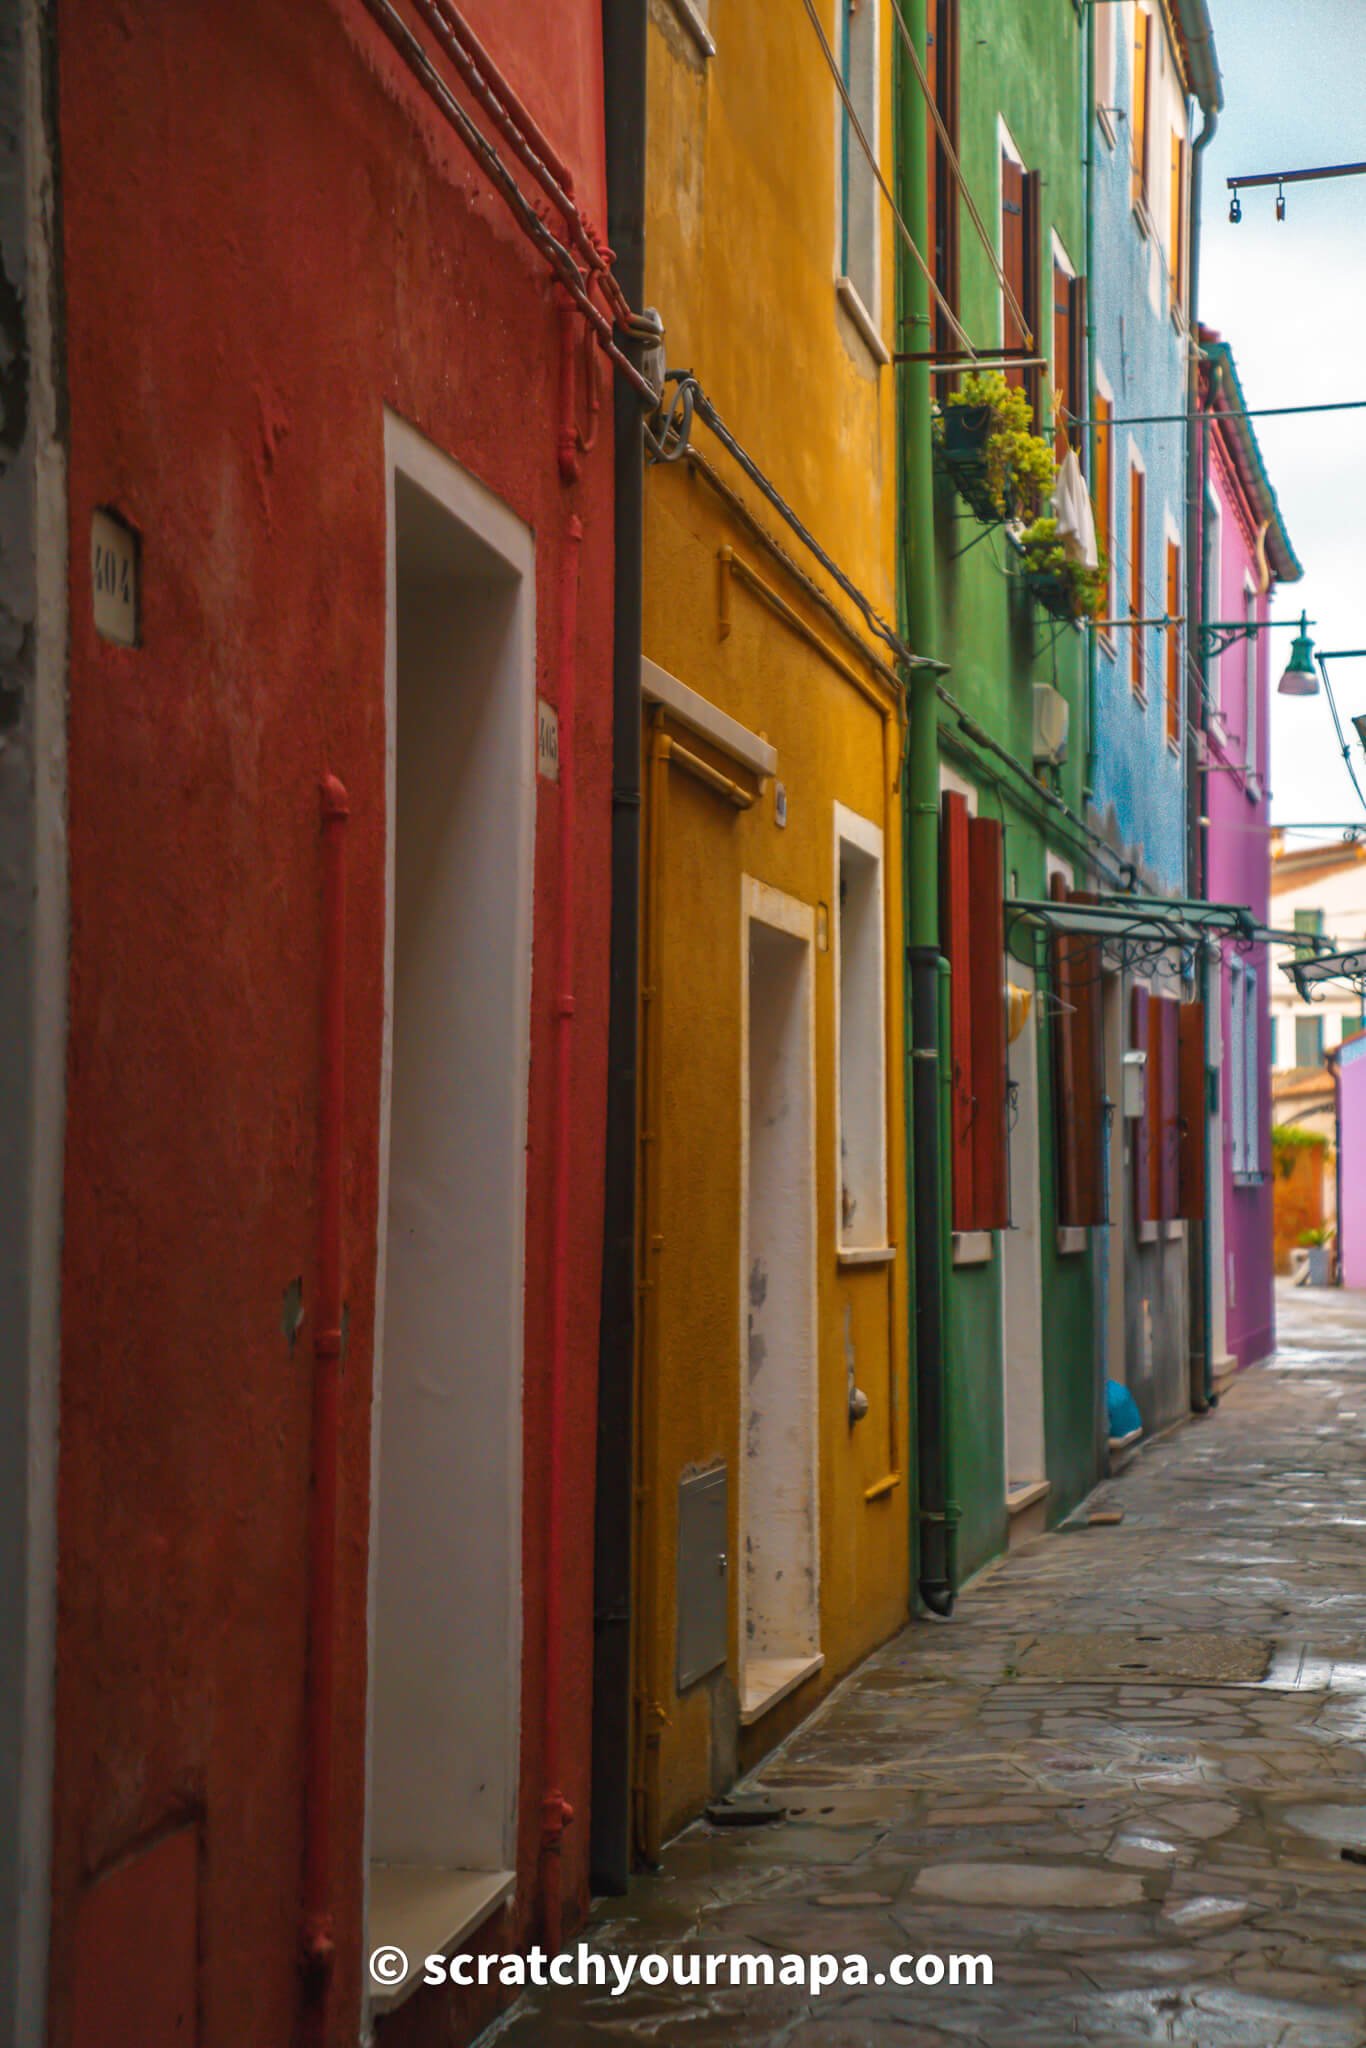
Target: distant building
column 1246, row 553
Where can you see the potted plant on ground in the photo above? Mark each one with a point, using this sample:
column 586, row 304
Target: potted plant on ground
column 1318, row 1243
column 1000, row 466
column 1064, row 587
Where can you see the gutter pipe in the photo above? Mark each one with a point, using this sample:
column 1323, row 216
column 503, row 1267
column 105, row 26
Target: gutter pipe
column 920, row 836
column 1195, row 26
column 624, row 27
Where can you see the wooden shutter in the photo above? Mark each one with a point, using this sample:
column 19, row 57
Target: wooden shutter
column 1178, row 221
column 1142, row 1126
column 1168, row 1038
column 955, row 943
column 1142, row 98
column 1103, row 476
column 1064, row 373
column 1173, row 637
column 1191, row 1113
column 987, row 941
column 1138, row 524
column 1076, row 346
column 1032, row 302
column 942, row 53
column 1078, row 1071
column 1013, row 256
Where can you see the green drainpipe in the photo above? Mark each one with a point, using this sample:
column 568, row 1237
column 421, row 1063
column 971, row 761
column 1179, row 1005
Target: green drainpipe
column 920, row 837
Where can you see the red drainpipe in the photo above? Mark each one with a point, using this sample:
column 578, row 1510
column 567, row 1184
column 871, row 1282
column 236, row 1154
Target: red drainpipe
column 556, row 1812
column 318, row 1942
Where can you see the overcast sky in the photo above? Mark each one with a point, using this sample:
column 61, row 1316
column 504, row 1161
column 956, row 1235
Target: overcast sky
column 1290, row 298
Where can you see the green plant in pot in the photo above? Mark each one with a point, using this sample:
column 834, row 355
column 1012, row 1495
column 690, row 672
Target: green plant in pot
column 1317, row 1243
column 1066, row 588
column 986, row 434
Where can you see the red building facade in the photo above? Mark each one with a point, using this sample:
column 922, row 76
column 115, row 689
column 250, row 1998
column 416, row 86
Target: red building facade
column 340, row 448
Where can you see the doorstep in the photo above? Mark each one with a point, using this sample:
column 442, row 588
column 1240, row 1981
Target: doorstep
column 1027, row 1508
column 766, row 1680
column 425, row 1911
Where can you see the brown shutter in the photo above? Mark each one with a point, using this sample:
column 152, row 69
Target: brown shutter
column 955, row 943
column 1178, row 223
column 987, row 941
column 1065, row 1068
column 1076, row 329
column 1169, row 1162
column 1191, row 1113
column 1078, row 1071
column 1063, row 373
column 1013, row 256
column 1140, row 1041
column 1032, row 302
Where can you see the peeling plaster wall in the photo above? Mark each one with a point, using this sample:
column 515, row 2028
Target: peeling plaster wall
column 33, row 974
column 271, row 237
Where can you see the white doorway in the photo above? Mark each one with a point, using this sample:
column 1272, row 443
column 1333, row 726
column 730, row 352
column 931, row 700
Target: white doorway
column 1021, row 1271
column 445, row 1628
column 778, row 1519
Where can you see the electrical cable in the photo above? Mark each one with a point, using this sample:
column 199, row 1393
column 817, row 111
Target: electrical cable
column 1337, row 727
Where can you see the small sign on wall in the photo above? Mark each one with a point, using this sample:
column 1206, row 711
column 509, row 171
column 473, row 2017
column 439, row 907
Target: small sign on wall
column 114, row 579
column 547, row 740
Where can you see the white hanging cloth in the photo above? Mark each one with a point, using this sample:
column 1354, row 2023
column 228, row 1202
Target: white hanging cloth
column 1076, row 520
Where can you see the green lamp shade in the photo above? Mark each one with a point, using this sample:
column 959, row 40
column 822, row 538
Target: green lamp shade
column 1301, row 677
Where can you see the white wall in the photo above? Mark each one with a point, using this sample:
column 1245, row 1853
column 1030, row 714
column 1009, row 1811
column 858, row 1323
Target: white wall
column 1342, row 899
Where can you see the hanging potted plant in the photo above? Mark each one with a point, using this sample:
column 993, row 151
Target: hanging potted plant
column 1065, row 588
column 1000, row 466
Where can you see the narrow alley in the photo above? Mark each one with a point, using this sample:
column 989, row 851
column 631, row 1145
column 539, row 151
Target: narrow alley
column 1127, row 1770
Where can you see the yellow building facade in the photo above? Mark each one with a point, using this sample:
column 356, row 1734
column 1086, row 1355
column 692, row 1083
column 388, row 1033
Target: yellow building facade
column 772, row 1455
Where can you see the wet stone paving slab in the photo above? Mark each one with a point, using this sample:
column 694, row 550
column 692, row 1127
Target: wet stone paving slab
column 1146, row 1837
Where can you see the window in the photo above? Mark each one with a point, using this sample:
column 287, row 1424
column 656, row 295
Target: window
column 1069, row 355
column 1309, row 1041
column 1103, row 486
column 1169, row 1137
column 858, row 187
column 1275, row 1041
column 1138, row 521
column 1251, row 736
column 1020, row 262
column 972, row 937
column 1140, row 102
column 1173, row 639
column 1245, row 1068
column 1176, row 251
column 941, row 63
column 859, row 1026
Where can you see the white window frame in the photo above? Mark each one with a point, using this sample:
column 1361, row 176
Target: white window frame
column 861, row 298
column 1251, row 676
column 864, row 1238
column 1103, row 85
column 1214, row 589
column 1109, row 537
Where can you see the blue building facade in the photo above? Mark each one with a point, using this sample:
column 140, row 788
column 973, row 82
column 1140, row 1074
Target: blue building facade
column 1152, row 71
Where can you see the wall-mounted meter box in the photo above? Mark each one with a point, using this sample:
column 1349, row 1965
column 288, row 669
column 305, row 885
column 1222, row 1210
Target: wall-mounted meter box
column 1135, row 1083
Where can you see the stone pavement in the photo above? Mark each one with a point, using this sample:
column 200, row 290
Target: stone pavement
column 1126, row 1770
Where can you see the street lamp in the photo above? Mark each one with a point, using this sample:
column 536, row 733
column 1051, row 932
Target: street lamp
column 1301, row 677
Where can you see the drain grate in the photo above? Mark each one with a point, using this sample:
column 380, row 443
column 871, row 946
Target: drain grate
column 1147, row 1659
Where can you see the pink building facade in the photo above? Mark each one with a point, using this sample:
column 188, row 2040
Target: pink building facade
column 1246, row 553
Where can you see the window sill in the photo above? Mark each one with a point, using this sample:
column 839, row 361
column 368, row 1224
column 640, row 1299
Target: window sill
column 1142, row 218
column 973, row 1247
column 1072, row 1238
column 1106, row 123
column 848, row 296
column 764, row 1681
column 1173, row 1229
column 1147, row 1233
column 1018, row 1498
column 423, row 1910
column 692, row 21
column 865, row 1254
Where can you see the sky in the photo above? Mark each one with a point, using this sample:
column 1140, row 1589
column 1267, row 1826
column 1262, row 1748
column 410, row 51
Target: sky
column 1290, row 299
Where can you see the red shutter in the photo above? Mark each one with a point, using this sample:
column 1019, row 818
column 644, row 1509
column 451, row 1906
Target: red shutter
column 987, row 942
column 1169, row 1161
column 1065, row 1120
column 1078, row 1071
column 1191, row 1113
column 1139, row 1038
column 955, row 923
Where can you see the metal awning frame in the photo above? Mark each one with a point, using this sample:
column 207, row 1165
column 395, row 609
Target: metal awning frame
column 1314, row 976
column 1146, row 931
